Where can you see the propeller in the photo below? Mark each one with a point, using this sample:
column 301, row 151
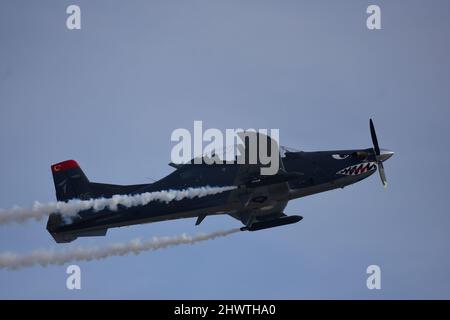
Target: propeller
column 379, row 155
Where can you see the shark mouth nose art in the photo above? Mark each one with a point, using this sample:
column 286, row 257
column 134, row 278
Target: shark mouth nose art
column 358, row 169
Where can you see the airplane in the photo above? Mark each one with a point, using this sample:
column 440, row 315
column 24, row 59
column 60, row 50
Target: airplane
column 258, row 201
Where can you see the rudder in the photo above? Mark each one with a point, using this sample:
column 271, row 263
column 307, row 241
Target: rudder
column 70, row 181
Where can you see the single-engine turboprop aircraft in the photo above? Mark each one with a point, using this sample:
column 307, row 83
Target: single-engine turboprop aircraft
column 257, row 201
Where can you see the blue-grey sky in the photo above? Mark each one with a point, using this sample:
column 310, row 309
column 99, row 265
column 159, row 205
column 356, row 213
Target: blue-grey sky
column 109, row 95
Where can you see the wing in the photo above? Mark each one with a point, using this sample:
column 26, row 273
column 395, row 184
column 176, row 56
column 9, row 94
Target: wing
column 249, row 215
column 255, row 220
column 262, row 198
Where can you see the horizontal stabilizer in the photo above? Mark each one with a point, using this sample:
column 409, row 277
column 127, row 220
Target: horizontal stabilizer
column 65, row 237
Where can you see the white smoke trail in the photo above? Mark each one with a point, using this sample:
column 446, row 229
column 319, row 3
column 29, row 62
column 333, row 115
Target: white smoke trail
column 49, row 257
column 72, row 207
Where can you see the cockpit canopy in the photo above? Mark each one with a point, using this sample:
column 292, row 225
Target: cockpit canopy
column 284, row 150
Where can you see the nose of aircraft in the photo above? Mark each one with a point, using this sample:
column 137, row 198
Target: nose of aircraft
column 385, row 154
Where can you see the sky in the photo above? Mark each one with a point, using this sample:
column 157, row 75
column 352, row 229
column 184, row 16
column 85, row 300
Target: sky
column 110, row 95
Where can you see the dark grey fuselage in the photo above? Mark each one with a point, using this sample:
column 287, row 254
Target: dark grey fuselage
column 250, row 203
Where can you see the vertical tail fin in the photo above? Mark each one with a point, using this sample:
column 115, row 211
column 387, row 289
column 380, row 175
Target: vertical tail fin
column 70, row 181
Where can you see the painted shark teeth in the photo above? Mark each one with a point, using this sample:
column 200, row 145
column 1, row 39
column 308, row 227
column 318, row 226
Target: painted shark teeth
column 358, row 169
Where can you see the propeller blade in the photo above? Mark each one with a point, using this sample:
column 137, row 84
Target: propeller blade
column 382, row 174
column 379, row 158
column 376, row 147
